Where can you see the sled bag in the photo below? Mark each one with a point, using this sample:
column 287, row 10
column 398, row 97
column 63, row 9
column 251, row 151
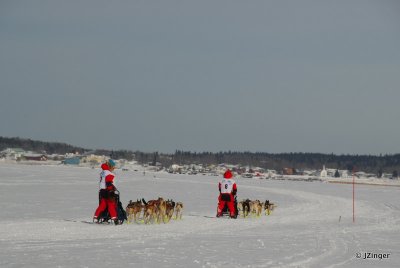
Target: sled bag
column 226, row 197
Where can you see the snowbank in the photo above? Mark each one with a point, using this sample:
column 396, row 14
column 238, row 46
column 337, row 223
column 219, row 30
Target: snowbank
column 311, row 227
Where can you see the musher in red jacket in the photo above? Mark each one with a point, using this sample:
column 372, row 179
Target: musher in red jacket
column 106, row 192
column 227, row 191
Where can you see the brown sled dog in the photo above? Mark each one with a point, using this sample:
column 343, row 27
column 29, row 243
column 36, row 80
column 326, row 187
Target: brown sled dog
column 150, row 211
column 134, row 209
column 162, row 210
column 155, row 210
column 256, row 208
column 169, row 212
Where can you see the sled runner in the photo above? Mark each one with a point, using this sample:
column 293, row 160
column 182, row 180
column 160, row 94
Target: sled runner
column 121, row 213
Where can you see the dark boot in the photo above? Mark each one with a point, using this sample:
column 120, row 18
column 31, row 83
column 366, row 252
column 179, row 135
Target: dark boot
column 116, row 221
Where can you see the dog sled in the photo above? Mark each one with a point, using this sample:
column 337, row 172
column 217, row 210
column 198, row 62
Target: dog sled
column 225, row 210
column 121, row 213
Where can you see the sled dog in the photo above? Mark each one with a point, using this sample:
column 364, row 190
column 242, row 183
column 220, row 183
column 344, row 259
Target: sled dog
column 178, row 210
column 149, row 213
column 246, row 207
column 256, row 208
column 157, row 208
column 268, row 207
column 170, row 206
column 134, row 209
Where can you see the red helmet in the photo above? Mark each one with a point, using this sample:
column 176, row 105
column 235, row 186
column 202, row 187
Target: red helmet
column 228, row 174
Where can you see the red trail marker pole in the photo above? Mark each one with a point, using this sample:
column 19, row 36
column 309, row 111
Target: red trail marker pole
column 354, row 217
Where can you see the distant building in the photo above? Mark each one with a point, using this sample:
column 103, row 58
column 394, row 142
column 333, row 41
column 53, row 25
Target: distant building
column 324, row 172
column 13, row 153
column 93, row 159
column 175, row 168
column 289, row 171
column 72, row 161
column 33, row 157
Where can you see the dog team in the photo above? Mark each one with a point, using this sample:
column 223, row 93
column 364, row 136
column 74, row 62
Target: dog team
column 248, row 208
column 153, row 211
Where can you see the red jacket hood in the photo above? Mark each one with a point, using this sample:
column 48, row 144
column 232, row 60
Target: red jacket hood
column 104, row 166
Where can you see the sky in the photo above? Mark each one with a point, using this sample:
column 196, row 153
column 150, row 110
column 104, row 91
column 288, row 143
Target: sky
column 260, row 76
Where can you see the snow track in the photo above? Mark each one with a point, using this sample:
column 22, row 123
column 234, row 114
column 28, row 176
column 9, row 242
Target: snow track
column 311, row 227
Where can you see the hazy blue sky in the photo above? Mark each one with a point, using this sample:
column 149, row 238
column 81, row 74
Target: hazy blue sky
column 270, row 76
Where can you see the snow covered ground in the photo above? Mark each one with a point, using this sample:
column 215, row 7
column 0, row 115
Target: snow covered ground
column 42, row 207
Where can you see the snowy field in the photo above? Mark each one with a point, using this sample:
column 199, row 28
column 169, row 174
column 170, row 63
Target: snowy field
column 43, row 206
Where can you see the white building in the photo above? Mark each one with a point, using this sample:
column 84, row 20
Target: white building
column 13, row 153
column 324, row 172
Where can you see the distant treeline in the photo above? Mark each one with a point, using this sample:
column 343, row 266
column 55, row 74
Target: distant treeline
column 300, row 161
column 38, row 146
column 368, row 163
